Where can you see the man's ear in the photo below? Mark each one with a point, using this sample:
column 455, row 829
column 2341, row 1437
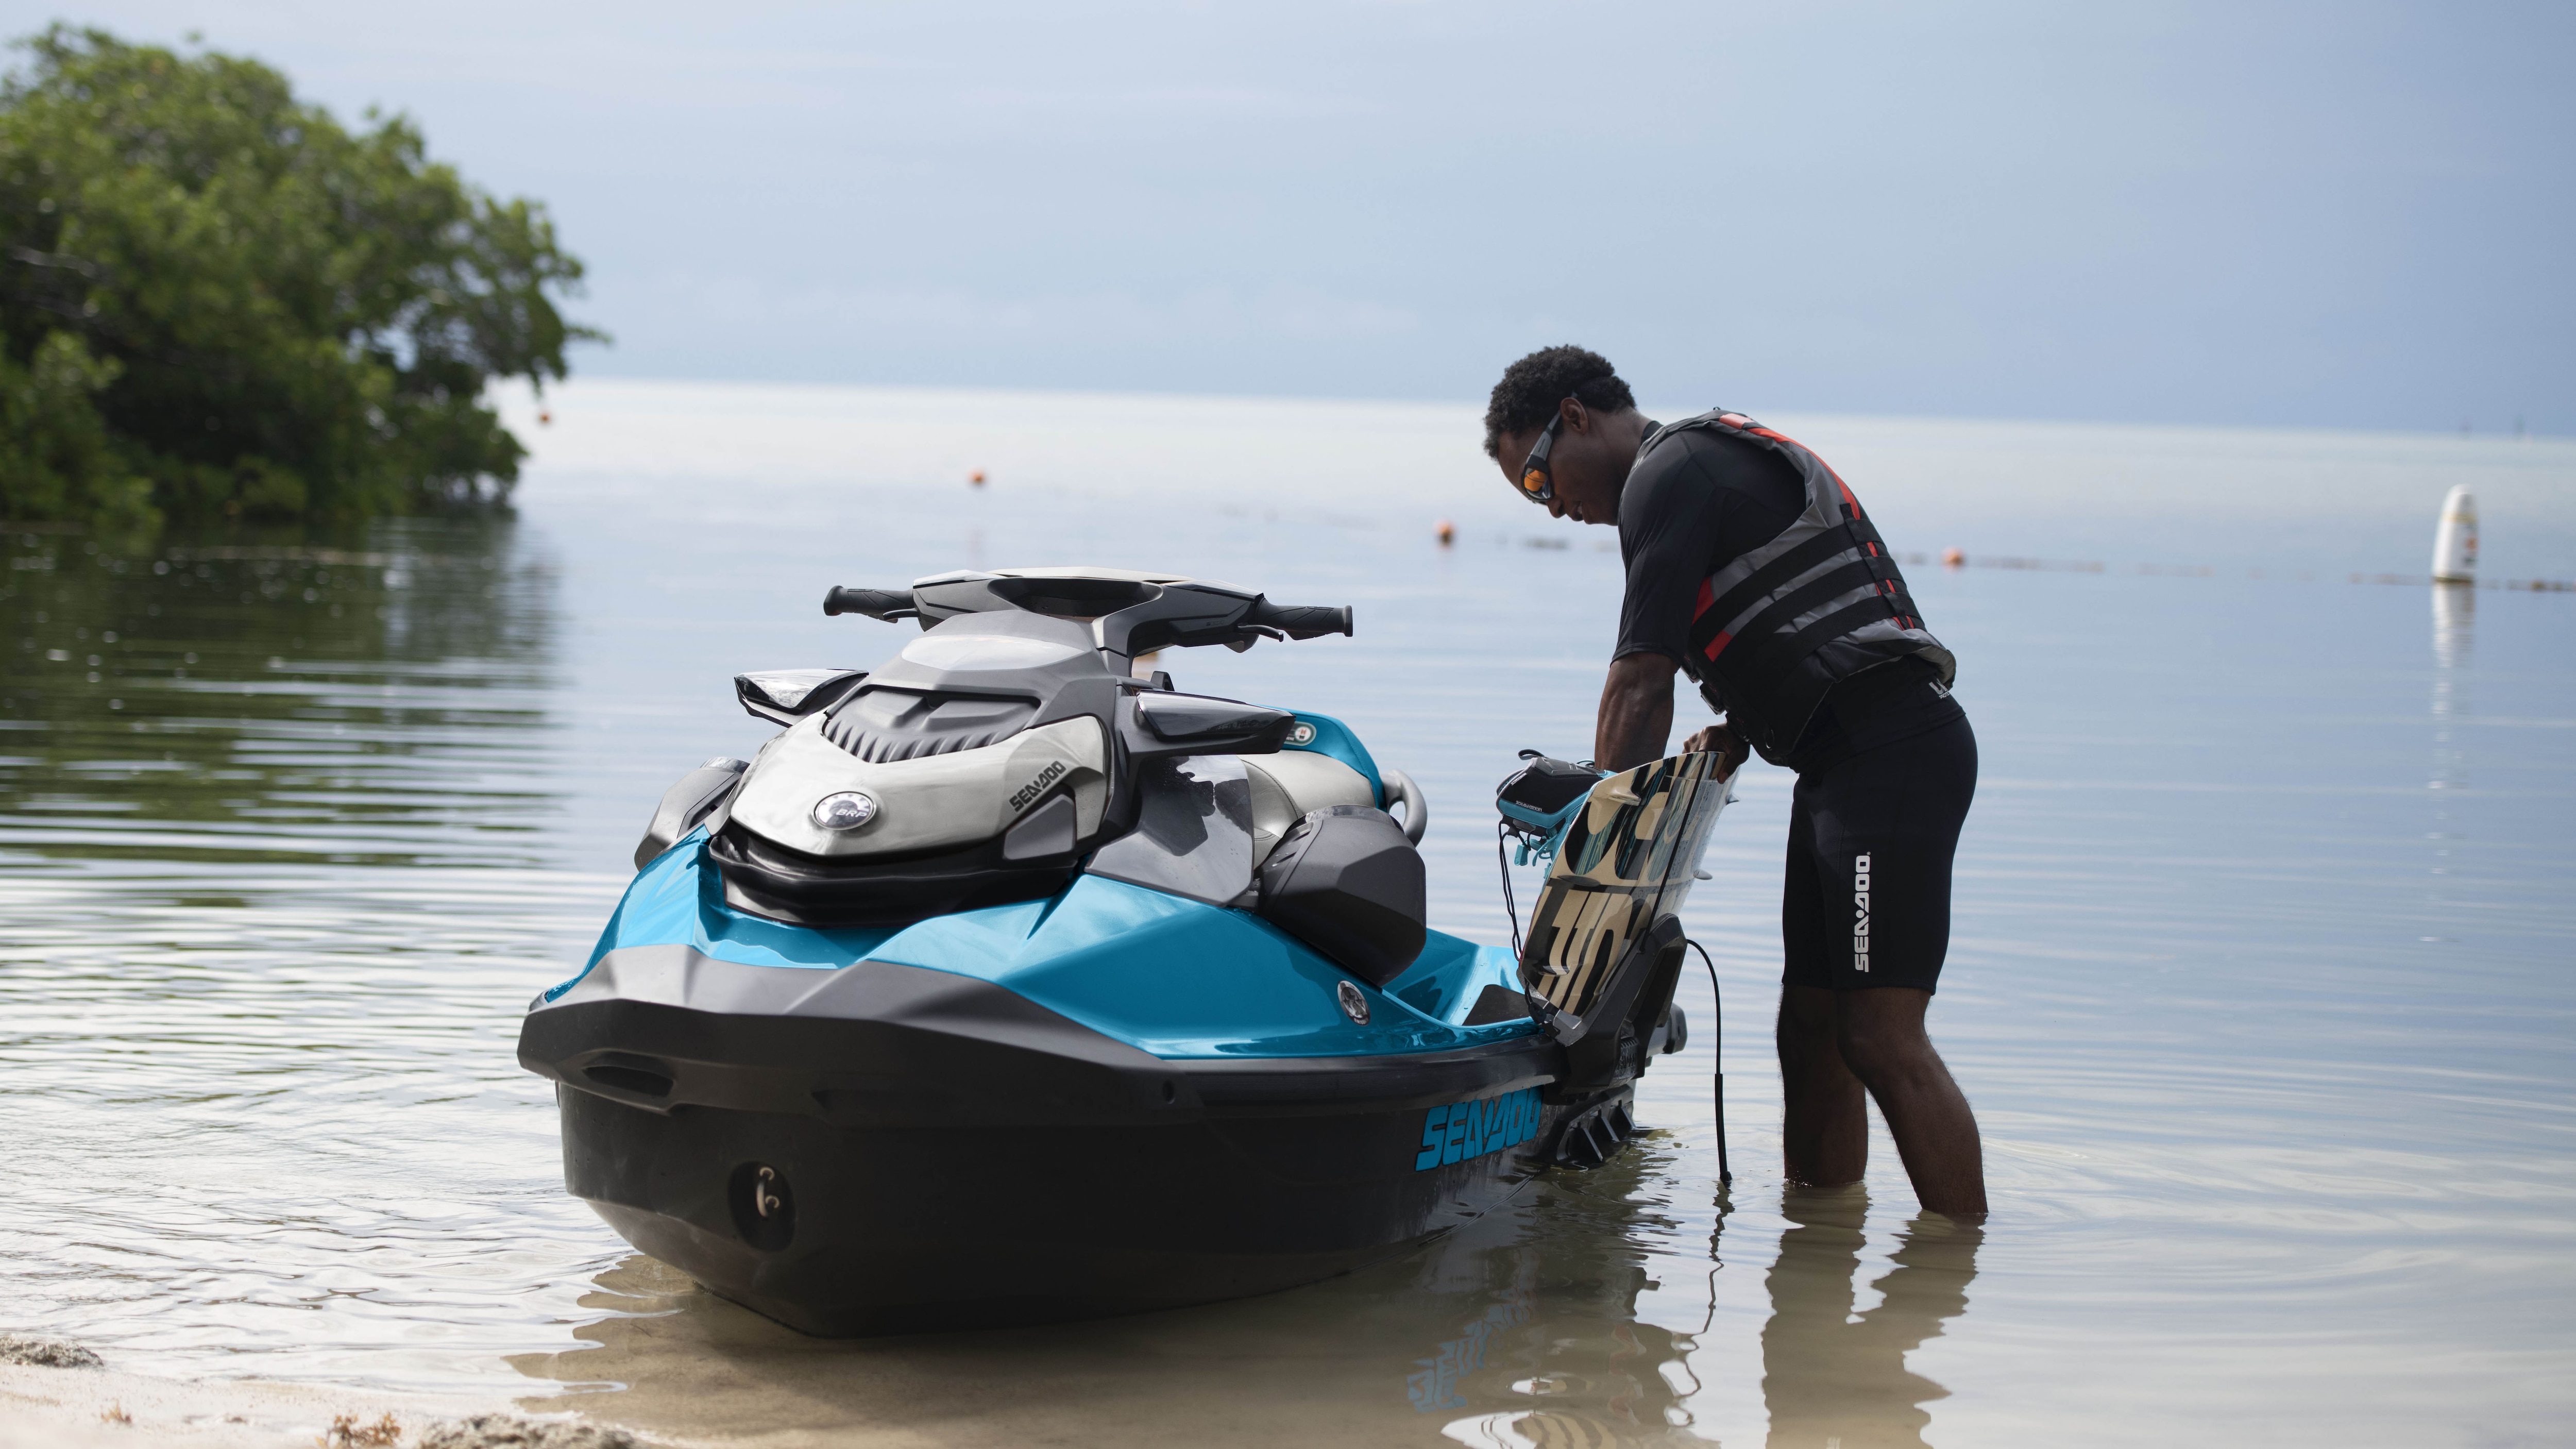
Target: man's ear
column 1578, row 419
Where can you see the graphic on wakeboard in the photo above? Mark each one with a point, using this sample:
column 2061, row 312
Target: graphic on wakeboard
column 1629, row 856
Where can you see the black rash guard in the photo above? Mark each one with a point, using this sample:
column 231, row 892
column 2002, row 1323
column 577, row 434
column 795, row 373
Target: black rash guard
column 1693, row 506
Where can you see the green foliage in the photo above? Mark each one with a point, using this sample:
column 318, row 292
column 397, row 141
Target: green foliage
column 217, row 302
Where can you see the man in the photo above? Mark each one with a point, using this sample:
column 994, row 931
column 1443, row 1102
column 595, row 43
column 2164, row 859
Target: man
column 1751, row 567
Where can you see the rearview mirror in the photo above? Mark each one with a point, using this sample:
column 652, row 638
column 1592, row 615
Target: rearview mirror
column 1199, row 724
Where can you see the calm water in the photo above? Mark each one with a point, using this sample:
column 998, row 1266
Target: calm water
column 2263, row 981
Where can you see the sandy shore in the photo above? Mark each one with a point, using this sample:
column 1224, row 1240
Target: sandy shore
column 73, row 1408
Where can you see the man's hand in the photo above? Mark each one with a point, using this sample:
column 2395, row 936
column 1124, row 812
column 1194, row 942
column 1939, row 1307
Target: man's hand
column 1722, row 741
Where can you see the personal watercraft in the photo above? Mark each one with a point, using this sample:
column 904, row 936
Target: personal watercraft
column 1004, row 986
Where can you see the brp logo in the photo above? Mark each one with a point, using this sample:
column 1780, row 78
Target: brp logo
column 847, row 810
column 1303, row 734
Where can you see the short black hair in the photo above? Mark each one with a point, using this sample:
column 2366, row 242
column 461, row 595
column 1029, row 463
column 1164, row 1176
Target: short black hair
column 1532, row 387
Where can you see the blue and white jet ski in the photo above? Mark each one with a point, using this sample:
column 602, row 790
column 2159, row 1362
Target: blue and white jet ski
column 1002, row 986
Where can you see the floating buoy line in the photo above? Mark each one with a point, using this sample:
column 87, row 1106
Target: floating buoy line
column 2455, row 557
column 1953, row 558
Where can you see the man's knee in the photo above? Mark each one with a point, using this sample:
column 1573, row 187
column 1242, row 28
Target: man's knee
column 1883, row 1063
column 1880, row 1033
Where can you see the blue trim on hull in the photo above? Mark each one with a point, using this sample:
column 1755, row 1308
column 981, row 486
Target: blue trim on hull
column 1170, row 976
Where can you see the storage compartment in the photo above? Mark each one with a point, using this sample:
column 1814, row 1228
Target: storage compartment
column 1346, row 881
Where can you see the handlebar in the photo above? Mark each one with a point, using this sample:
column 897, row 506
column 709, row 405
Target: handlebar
column 1178, row 620
column 884, row 604
column 1301, row 621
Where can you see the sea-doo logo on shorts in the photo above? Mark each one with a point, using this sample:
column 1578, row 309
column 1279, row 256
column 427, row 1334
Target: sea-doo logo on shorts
column 1031, row 790
column 1860, row 913
column 1463, row 1130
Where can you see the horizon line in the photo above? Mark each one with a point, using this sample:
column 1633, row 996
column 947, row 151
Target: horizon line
column 523, row 385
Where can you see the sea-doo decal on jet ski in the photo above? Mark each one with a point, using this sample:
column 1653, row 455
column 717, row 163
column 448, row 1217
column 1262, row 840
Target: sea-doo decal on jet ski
column 1032, row 789
column 1860, row 913
column 1463, row 1130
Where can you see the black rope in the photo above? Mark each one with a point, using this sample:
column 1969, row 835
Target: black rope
column 1717, row 1059
column 1503, row 863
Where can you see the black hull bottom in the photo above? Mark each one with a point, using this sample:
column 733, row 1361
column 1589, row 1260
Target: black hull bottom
column 888, row 1149
column 854, row 1230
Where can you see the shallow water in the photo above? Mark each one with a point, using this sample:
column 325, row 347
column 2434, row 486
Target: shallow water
column 2259, row 983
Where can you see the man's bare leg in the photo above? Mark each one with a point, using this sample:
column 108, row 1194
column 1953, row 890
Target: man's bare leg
column 1874, row 1038
column 1884, row 1044
column 1824, row 1132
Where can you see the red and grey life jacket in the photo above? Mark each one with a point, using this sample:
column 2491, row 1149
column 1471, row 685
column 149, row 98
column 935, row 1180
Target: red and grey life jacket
column 1782, row 624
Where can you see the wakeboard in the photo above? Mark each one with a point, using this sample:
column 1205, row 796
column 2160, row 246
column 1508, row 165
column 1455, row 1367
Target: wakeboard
column 1629, row 856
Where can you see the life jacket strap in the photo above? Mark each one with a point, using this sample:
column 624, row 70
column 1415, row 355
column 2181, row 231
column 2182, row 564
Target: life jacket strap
column 1731, row 607
column 1831, row 558
column 1780, row 654
column 1780, row 615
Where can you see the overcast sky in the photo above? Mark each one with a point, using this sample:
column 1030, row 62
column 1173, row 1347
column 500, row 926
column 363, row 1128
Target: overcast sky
column 2345, row 214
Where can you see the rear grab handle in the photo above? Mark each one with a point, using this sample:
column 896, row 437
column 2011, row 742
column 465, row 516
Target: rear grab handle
column 1400, row 787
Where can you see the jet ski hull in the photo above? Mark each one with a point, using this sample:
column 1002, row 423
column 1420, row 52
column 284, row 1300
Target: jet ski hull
column 899, row 1149
column 1005, row 986
column 892, row 1230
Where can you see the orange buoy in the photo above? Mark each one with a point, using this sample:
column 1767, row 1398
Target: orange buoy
column 976, row 477
column 545, row 417
column 1952, row 558
column 1447, row 532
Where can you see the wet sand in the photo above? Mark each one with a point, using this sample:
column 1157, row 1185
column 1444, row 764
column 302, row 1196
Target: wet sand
column 55, row 1408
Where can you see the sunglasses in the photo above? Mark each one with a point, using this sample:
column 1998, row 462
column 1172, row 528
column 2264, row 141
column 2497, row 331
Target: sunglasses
column 1537, row 484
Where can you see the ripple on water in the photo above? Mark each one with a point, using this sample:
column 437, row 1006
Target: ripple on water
column 2257, row 982
column 298, row 1145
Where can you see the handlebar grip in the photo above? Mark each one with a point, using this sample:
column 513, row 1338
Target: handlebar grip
column 884, row 604
column 1302, row 621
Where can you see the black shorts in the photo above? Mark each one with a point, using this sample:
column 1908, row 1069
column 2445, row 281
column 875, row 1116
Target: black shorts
column 1867, row 900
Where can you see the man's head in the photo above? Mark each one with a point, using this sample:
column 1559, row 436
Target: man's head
column 1598, row 429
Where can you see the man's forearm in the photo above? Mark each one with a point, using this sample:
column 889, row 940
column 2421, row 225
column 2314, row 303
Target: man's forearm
column 1636, row 712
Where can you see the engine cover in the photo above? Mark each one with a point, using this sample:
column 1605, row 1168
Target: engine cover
column 941, row 802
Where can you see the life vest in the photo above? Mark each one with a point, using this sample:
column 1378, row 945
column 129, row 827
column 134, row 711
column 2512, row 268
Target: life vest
column 1780, row 625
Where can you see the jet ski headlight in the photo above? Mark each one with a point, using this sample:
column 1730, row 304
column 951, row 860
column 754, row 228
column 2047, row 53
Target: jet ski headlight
column 847, row 810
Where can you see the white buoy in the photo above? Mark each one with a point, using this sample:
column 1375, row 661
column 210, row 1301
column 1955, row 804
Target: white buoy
column 2455, row 539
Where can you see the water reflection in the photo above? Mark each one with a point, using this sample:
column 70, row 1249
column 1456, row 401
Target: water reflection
column 1523, row 1329
column 1835, row 1379
column 254, row 1030
column 1529, row 1329
column 268, row 699
column 2455, row 619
